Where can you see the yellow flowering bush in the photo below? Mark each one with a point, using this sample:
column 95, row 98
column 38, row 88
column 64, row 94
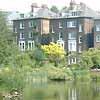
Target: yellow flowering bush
column 54, row 51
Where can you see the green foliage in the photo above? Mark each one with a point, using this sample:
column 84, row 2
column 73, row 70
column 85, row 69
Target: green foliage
column 54, row 52
column 64, row 9
column 22, row 60
column 37, row 57
column 7, row 47
column 90, row 58
column 12, row 78
column 54, row 9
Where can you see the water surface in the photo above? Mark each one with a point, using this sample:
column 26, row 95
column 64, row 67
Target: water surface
column 63, row 91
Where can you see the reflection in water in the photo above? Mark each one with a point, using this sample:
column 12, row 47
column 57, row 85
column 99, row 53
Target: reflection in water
column 72, row 94
column 62, row 91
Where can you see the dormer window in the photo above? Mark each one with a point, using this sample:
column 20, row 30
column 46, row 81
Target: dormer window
column 22, row 15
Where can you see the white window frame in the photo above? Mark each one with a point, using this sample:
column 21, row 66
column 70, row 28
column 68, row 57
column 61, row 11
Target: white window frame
column 70, row 35
column 61, row 43
column 22, row 45
column 60, row 35
column 73, row 60
column 80, row 28
column 32, row 45
column 32, row 24
column 30, row 34
column 80, row 39
column 22, row 35
column 60, row 25
column 72, row 45
column 75, row 13
column 52, row 29
column 71, row 24
column 97, row 28
column 21, row 25
column 98, row 38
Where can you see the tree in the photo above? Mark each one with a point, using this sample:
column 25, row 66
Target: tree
column 90, row 58
column 54, row 9
column 38, row 56
column 64, row 9
column 8, row 50
column 54, row 52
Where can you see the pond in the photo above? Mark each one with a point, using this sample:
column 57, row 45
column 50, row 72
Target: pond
column 63, row 91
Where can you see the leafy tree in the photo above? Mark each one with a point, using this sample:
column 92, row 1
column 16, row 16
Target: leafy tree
column 54, row 9
column 37, row 57
column 90, row 58
column 54, row 52
column 8, row 49
column 64, row 9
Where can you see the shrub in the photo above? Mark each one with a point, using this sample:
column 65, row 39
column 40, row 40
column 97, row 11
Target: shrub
column 54, row 52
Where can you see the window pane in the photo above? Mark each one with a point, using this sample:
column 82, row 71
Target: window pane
column 30, row 34
column 21, row 35
column 71, row 45
column 98, row 38
column 80, row 28
column 61, row 43
column 71, row 24
column 60, row 36
column 80, row 39
column 30, row 45
column 97, row 27
column 22, row 45
column 60, row 25
column 21, row 25
column 71, row 35
column 32, row 24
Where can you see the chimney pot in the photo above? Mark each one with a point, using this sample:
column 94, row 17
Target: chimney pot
column 44, row 6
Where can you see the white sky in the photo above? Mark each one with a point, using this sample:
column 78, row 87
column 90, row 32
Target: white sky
column 24, row 5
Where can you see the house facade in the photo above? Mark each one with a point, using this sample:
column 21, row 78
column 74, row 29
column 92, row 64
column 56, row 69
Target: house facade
column 74, row 34
column 75, row 30
column 30, row 31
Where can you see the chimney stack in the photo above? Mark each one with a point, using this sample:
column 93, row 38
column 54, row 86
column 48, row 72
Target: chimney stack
column 72, row 4
column 83, row 6
column 44, row 6
column 34, row 5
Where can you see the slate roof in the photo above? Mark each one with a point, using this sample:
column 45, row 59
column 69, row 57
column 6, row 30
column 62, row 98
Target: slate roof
column 46, row 13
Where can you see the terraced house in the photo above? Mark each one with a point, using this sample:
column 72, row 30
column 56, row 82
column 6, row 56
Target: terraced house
column 75, row 29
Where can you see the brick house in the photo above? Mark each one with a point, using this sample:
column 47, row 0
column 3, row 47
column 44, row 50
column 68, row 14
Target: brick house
column 76, row 30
